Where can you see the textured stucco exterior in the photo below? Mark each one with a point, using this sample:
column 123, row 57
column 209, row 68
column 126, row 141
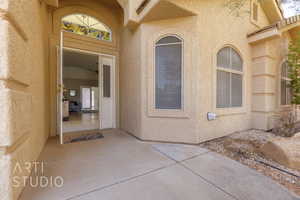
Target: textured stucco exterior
column 268, row 57
column 29, row 40
column 200, row 49
column 23, row 88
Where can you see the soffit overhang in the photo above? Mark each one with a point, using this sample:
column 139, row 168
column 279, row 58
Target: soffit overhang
column 53, row 3
column 272, row 10
column 290, row 25
column 140, row 11
column 164, row 9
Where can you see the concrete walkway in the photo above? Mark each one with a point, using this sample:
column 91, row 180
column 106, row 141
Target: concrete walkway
column 119, row 167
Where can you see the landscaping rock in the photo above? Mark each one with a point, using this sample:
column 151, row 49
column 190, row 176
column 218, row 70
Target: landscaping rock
column 285, row 151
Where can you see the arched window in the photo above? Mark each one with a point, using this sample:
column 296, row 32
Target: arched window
column 285, row 80
column 86, row 25
column 229, row 78
column 168, row 73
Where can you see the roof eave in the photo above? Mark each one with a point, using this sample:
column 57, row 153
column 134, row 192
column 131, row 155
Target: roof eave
column 265, row 35
column 290, row 25
column 272, row 10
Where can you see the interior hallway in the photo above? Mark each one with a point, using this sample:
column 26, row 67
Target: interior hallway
column 120, row 167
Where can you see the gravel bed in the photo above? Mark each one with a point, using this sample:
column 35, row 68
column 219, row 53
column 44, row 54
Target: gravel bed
column 244, row 148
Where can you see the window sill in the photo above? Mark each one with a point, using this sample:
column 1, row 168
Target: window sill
column 230, row 111
column 180, row 114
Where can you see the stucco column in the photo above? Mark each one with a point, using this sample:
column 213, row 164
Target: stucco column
column 21, row 63
column 263, row 83
column 15, row 100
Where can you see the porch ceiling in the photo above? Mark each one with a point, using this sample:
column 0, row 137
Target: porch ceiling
column 150, row 10
column 272, row 10
column 51, row 2
column 164, row 9
column 109, row 3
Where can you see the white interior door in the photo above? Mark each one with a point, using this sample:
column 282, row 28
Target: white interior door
column 60, row 90
column 107, row 92
column 86, row 98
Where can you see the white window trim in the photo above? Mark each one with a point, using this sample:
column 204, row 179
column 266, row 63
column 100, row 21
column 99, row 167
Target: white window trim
column 230, row 110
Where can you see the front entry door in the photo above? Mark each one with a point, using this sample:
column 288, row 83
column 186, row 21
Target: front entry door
column 60, row 89
column 101, row 98
column 107, row 92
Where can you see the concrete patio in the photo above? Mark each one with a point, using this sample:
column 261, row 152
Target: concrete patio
column 121, row 167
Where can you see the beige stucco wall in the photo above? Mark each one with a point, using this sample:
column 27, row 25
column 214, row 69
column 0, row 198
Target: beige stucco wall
column 29, row 38
column 203, row 36
column 130, row 81
column 24, row 86
column 268, row 56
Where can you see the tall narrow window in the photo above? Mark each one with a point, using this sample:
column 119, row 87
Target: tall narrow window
column 86, row 25
column 229, row 78
column 285, row 89
column 168, row 73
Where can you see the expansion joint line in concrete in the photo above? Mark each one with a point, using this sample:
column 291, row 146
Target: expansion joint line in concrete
column 121, row 181
column 209, row 182
column 166, row 155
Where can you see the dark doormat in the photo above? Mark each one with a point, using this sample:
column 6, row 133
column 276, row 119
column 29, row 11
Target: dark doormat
column 87, row 137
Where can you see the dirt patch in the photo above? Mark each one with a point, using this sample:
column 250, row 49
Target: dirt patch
column 244, row 147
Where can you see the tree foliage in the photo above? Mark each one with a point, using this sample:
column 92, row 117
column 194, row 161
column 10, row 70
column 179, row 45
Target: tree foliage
column 294, row 70
column 238, row 8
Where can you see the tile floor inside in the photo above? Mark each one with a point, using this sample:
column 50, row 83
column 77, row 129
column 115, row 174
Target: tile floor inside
column 79, row 121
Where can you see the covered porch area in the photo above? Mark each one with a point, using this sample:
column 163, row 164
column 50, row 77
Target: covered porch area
column 119, row 166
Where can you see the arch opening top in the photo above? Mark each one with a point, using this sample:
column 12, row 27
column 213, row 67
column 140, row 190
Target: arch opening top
column 85, row 25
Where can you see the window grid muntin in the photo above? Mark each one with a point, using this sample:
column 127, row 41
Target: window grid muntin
column 182, row 70
column 107, row 31
column 231, row 71
column 231, row 51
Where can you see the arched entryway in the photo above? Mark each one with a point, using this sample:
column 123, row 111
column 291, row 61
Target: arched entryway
column 81, row 34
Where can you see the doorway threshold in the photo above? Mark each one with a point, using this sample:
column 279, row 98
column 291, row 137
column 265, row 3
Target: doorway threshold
column 79, row 136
